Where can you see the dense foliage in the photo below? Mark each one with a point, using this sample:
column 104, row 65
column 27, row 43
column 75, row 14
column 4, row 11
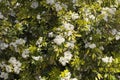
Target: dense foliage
column 60, row 39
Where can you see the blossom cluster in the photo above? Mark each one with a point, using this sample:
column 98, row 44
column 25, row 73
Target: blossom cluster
column 107, row 59
column 67, row 57
column 13, row 66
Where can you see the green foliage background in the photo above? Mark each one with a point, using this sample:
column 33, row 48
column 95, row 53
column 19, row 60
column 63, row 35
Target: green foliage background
column 21, row 22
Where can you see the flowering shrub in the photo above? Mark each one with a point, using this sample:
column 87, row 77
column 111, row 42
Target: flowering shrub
column 60, row 39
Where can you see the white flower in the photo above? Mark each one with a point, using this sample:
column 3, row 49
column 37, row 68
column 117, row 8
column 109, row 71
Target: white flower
column 50, row 2
column 99, row 1
column 86, row 19
column 89, row 28
column 39, row 41
column 12, row 13
column 118, row 32
column 58, row 29
column 8, row 68
column 73, row 79
column 20, row 41
column 0, row 0
column 34, row 5
column 92, row 46
column 37, row 57
column 101, row 47
column 17, row 67
column 63, row 79
column 63, row 61
column 68, row 26
column 74, row 16
column 50, row 34
column 87, row 11
column 69, row 33
column 112, row 10
column 17, row 70
column 90, row 38
column 16, row 64
column 59, row 40
column 4, row 75
column 12, row 60
column 25, row 53
column 3, row 46
column 58, row 6
column 17, row 4
column 114, row 31
column 38, row 16
column 42, row 78
column 118, row 1
column 2, row 64
column 117, row 37
column 110, row 38
column 68, row 55
column 64, row 6
column 107, row 10
column 87, row 45
column 13, row 44
column 98, row 31
column 1, row 16
column 74, row 1
column 107, row 59
column 110, row 59
column 105, row 17
column 70, row 44
column 38, row 77
column 92, row 17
